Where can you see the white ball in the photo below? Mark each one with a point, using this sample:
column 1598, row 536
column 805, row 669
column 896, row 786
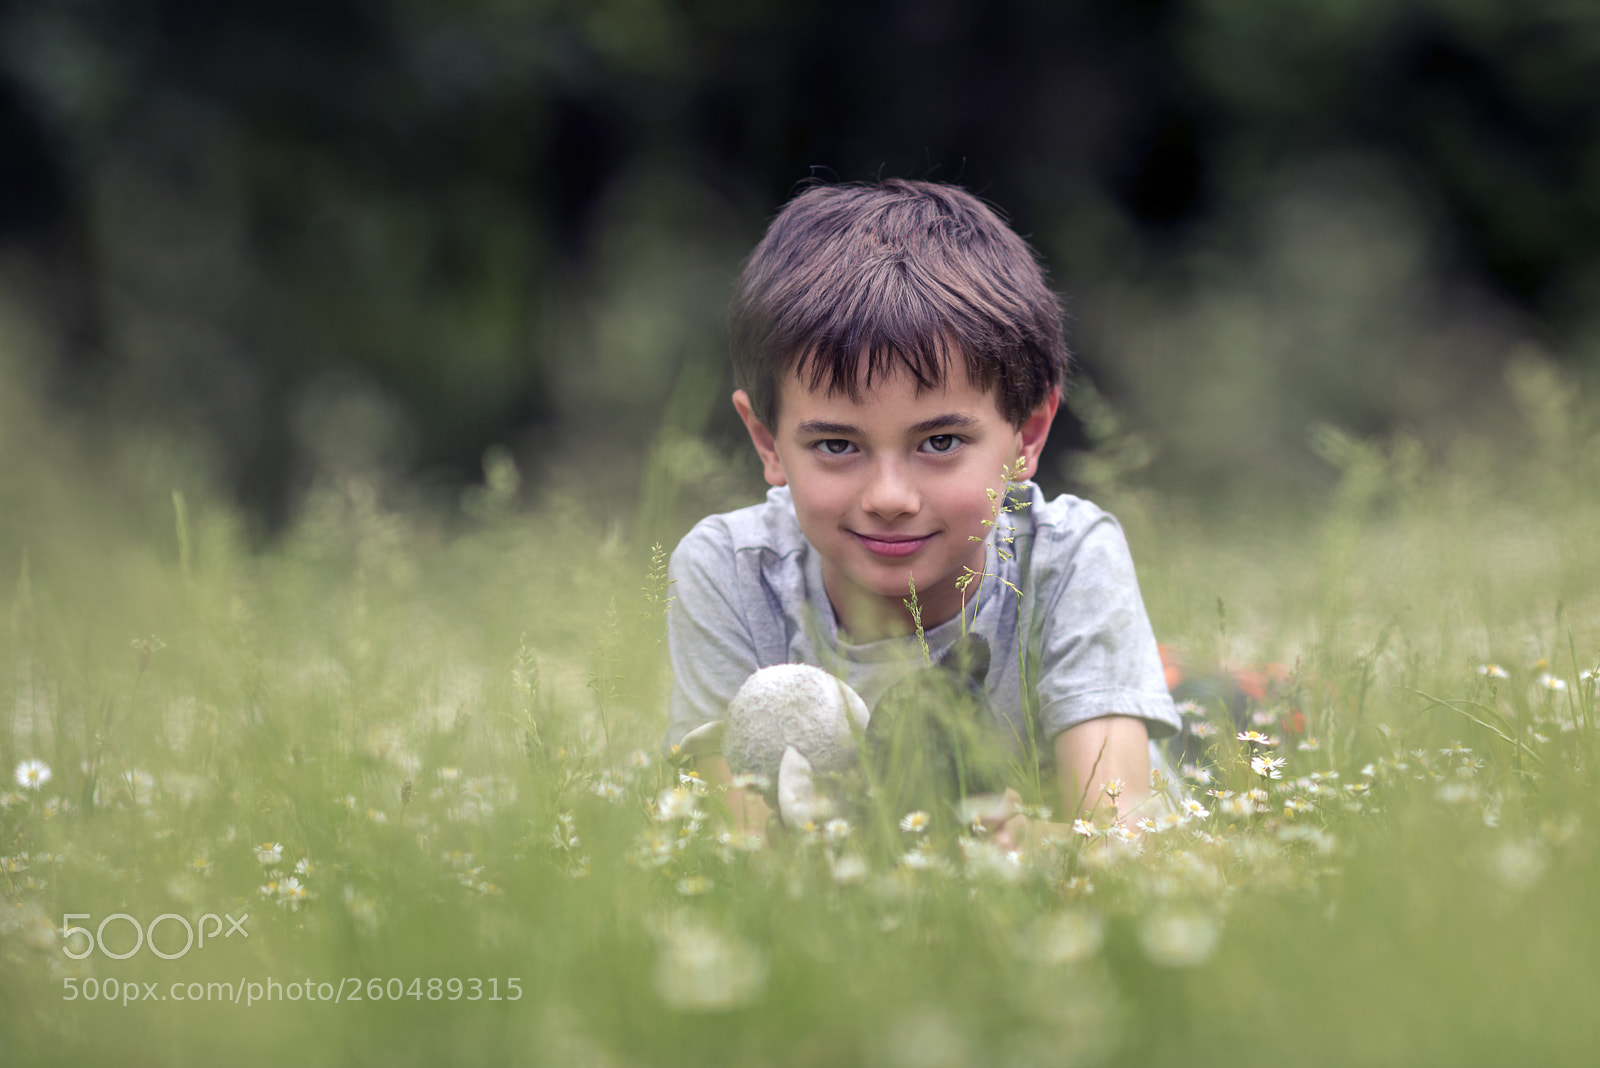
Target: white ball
column 792, row 705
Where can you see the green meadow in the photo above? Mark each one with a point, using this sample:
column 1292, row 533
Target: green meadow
column 386, row 789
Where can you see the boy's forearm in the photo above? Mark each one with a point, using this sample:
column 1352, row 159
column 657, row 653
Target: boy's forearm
column 747, row 810
column 1101, row 757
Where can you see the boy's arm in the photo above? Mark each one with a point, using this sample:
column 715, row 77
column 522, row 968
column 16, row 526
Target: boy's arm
column 1109, row 750
column 747, row 810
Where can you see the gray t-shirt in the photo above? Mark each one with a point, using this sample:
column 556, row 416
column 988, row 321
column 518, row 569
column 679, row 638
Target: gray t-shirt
column 747, row 594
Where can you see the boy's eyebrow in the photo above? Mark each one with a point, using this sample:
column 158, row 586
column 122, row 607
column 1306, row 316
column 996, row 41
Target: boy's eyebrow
column 948, row 421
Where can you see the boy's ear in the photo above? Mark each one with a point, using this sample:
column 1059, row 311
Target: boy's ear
column 762, row 438
column 1033, row 432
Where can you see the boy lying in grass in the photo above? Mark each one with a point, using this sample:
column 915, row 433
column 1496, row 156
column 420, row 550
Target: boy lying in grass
column 899, row 359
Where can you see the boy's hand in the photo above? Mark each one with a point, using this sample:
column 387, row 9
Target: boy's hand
column 747, row 810
column 1004, row 825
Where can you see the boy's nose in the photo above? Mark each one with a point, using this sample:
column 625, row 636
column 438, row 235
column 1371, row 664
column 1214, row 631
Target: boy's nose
column 890, row 494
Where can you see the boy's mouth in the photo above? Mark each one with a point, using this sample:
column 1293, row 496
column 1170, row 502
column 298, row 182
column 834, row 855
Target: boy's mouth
column 892, row 545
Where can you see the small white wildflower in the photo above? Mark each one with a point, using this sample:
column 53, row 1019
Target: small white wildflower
column 1203, row 729
column 1148, row 825
column 1295, row 806
column 1113, row 788
column 985, row 859
column 1268, row 767
column 849, row 869
column 676, row 802
column 1194, row 809
column 1237, row 807
column 141, row 785
column 694, row 885
column 1191, row 708
column 1066, row 937
column 1084, row 827
column 449, row 775
column 1493, row 671
column 1310, row 745
column 33, row 774
column 269, row 853
column 1554, row 683
column 1519, row 863
column 836, row 830
column 608, row 790
column 291, row 893
column 914, row 822
column 1177, row 938
column 1255, row 737
column 702, row 970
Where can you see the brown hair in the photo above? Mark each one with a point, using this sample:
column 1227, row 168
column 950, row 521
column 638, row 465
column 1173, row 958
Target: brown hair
column 898, row 272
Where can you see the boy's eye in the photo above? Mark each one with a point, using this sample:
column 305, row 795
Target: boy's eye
column 942, row 442
column 834, row 446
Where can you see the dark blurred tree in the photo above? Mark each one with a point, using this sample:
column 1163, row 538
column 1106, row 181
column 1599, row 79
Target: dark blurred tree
column 516, row 221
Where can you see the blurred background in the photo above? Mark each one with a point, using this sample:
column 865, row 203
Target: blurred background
column 420, row 238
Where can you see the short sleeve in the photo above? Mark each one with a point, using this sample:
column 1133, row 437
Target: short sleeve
column 1097, row 654
column 709, row 642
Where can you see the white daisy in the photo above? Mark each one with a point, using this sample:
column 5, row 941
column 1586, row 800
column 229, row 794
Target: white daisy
column 914, row 822
column 1268, row 767
column 32, row 774
column 291, row 892
column 1195, row 810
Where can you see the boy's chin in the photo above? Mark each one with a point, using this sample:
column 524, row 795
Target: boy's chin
column 893, row 589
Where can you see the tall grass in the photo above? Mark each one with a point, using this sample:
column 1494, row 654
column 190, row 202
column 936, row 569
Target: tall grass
column 454, row 723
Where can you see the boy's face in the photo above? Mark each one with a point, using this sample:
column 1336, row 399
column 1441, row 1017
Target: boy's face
column 893, row 486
